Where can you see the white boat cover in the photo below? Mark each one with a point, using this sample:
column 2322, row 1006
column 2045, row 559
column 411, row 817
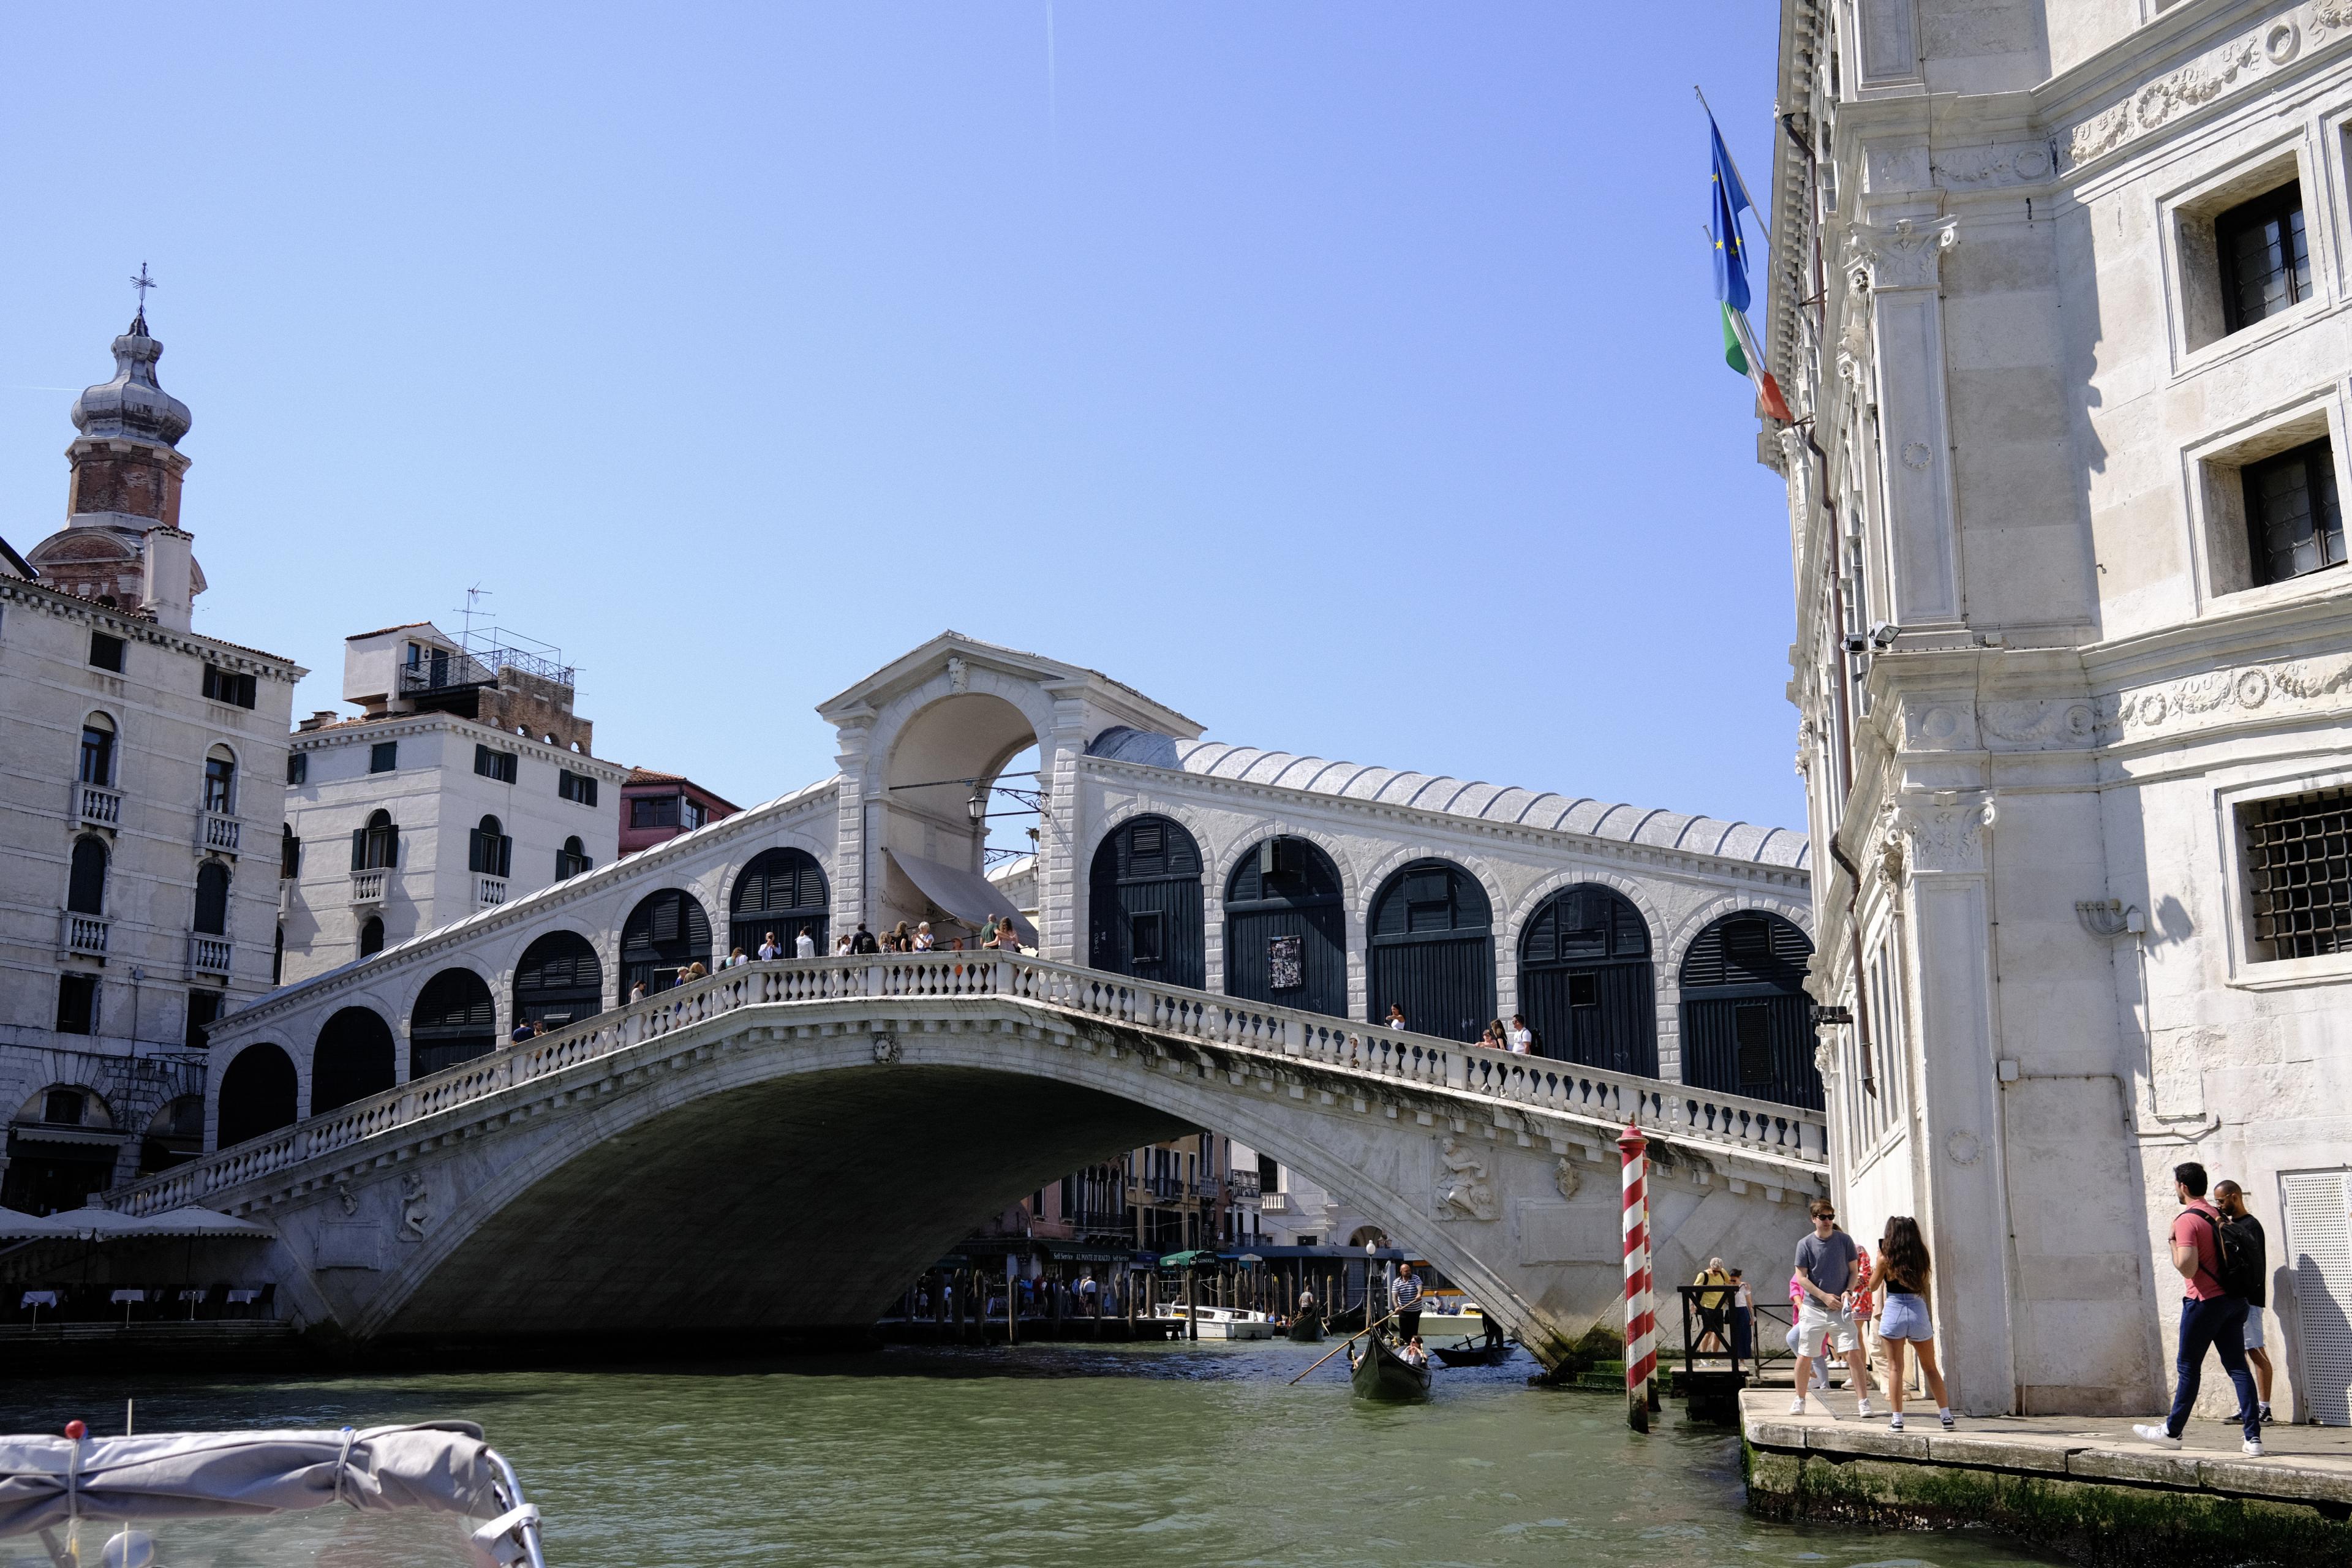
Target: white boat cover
column 967, row 895
column 444, row 1466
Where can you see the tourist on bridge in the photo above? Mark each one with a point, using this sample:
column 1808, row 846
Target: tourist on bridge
column 924, row 942
column 1523, row 1038
column 1826, row 1268
column 1396, row 1016
column 1714, row 1305
column 1493, row 1036
column 2213, row 1312
column 1406, row 1299
column 768, row 948
column 841, row 946
column 1902, row 1271
column 864, row 941
column 1007, row 939
column 2230, row 1199
column 804, row 945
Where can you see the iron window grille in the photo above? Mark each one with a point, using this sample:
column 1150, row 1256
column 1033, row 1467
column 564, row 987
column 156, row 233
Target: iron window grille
column 105, row 652
column 2265, row 263
column 490, row 764
column 384, row 757
column 2294, row 524
column 224, row 686
column 2299, row 874
column 575, row 787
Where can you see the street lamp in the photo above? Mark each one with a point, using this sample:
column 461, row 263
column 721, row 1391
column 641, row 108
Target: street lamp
column 977, row 807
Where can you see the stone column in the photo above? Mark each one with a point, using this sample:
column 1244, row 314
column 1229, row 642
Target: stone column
column 850, row 872
column 1061, row 916
column 1896, row 271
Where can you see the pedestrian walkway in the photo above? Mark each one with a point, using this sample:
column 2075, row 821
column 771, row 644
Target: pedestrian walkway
column 2055, row 1477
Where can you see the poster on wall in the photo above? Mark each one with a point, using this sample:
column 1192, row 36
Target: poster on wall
column 1285, row 966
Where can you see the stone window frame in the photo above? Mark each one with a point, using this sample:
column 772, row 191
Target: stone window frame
column 2221, row 569
column 2196, row 316
column 2243, row 971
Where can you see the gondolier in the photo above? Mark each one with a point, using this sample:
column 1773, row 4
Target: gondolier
column 1407, row 1301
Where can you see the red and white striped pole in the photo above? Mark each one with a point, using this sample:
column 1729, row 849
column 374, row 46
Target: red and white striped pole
column 1641, row 1320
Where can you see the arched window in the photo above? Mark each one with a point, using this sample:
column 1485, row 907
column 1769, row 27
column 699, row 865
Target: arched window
column 1747, row 1025
column 212, row 898
column 665, row 933
column 1586, row 983
column 48, row 1174
column 1286, row 929
column 490, row 852
column 1144, row 904
column 782, row 890
column 175, row 1134
column 455, row 1020
column 98, row 749
column 1432, row 950
column 573, row 858
column 353, row 1058
column 376, row 846
column 220, row 782
column 371, row 936
column 558, row 981
column 86, row 884
column 257, row 1094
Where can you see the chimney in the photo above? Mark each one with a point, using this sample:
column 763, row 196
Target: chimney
column 170, row 581
column 317, row 721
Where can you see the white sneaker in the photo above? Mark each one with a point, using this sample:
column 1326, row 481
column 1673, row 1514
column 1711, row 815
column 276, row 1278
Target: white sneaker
column 2155, row 1434
column 1895, row 1422
column 2252, row 1450
column 1861, row 1407
column 1796, row 1405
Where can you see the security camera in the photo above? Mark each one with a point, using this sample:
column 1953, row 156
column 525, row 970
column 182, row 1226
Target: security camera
column 1883, row 635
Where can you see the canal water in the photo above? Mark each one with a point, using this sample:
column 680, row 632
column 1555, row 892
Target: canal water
column 1126, row 1456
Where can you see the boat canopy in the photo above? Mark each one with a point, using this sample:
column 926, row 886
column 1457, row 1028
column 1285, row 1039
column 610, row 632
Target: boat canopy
column 50, row 1482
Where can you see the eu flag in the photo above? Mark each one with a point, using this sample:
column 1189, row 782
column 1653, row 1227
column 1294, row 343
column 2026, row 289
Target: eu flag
column 1731, row 254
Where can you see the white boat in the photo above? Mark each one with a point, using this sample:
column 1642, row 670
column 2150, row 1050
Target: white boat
column 1459, row 1316
column 90, row 1500
column 1223, row 1323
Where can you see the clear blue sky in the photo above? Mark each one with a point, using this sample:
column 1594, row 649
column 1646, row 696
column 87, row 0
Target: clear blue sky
column 1345, row 375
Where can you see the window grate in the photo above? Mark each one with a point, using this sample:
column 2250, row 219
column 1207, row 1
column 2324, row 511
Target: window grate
column 2299, row 874
column 2266, row 259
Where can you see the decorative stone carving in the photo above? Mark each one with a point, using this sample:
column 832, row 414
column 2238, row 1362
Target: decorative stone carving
column 1938, row 722
column 2219, row 695
column 2001, row 165
column 2219, row 71
column 1917, row 454
column 1939, row 836
column 959, row 675
column 346, row 1198
column 1464, row 1191
column 416, row 1208
column 1964, row 1148
column 1566, row 1177
column 2041, row 723
column 1906, row 256
column 885, row 1048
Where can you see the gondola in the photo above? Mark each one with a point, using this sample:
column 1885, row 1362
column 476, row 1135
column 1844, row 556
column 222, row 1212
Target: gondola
column 1467, row 1355
column 1379, row 1373
column 1307, row 1328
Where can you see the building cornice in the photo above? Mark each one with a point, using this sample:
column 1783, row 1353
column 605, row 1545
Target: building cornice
column 132, row 628
column 373, row 730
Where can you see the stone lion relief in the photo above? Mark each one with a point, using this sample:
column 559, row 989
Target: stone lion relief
column 1464, row 1191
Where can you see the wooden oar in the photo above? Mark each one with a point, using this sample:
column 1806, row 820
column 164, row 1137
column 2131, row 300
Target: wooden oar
column 1351, row 1339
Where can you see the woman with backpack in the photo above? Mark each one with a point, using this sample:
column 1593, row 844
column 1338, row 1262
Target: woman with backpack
column 1903, row 1272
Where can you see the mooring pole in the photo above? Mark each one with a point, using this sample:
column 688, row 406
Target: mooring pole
column 1640, row 1338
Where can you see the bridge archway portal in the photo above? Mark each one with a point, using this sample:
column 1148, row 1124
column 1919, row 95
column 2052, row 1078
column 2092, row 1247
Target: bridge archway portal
column 932, row 822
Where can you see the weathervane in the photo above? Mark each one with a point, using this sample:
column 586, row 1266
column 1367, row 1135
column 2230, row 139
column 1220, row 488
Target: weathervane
column 142, row 283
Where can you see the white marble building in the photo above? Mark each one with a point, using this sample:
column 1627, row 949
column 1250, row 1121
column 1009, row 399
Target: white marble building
column 139, row 779
column 466, row 781
column 2060, row 299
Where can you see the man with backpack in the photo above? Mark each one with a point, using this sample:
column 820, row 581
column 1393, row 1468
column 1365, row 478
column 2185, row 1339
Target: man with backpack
column 2230, row 1199
column 2213, row 1262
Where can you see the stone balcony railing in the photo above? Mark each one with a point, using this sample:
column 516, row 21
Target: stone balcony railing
column 96, row 805
column 86, row 935
column 367, row 887
column 1786, row 1136
column 208, row 954
column 489, row 893
column 1273, row 1203
column 220, row 833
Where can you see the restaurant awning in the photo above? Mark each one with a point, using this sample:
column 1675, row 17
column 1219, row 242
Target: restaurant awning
column 967, row 895
column 95, row 1224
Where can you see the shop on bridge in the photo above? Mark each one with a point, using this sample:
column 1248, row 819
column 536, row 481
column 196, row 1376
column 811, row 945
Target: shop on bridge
column 1432, row 950
column 1286, row 927
column 1585, row 981
column 1145, row 904
column 1748, row 1026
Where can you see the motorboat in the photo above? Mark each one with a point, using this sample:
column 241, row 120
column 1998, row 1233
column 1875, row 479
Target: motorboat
column 1451, row 1313
column 101, row 1500
column 1494, row 1354
column 1220, row 1323
column 1382, row 1375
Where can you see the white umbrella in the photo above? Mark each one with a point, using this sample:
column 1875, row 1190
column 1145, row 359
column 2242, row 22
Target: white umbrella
column 15, row 1226
column 194, row 1220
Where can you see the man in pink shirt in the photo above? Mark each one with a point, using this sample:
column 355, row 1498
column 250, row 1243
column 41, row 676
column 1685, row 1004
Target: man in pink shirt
column 2211, row 1317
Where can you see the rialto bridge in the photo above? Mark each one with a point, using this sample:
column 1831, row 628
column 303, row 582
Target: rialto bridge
column 1214, row 929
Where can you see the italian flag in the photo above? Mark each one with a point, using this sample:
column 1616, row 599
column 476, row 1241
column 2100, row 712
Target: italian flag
column 1740, row 352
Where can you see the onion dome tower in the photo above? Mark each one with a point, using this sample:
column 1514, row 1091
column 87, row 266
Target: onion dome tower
column 121, row 545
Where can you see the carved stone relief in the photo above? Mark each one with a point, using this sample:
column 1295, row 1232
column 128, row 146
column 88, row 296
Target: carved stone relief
column 2219, row 696
column 1464, row 1190
column 1566, row 1177
column 2011, row 164
column 416, row 1208
column 1908, row 255
column 2219, row 71
column 1937, row 835
column 2040, row 724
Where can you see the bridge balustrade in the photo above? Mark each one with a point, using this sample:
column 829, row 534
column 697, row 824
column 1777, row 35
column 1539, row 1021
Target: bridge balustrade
column 1609, row 1099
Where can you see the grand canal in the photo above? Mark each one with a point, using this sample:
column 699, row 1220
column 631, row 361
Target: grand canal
column 1110, row 1457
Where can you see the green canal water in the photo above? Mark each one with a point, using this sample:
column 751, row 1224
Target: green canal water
column 1121, row 1457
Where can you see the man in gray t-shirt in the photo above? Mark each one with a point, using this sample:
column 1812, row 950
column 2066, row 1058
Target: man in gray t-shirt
column 1825, row 1273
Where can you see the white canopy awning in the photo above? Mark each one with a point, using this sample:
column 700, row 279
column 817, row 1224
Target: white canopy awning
column 967, row 895
column 97, row 1224
column 15, row 1226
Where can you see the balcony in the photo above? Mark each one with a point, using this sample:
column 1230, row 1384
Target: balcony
column 208, row 954
column 1273, row 1203
column 85, row 935
column 219, row 833
column 489, row 893
column 99, row 806
column 1242, row 1185
column 367, row 887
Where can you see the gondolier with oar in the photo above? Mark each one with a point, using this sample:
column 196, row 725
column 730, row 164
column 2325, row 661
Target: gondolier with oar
column 1406, row 1302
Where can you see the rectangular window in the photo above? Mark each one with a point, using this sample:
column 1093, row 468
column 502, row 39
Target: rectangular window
column 1584, row 989
column 490, row 764
column 105, row 652
column 298, row 767
column 2294, row 523
column 97, row 756
column 77, row 1004
column 2265, row 265
column 654, row 811
column 384, row 757
column 1147, row 937
column 220, row 785
column 575, row 787
column 204, row 1010
column 2299, row 874
column 224, row 686
column 695, row 813
column 289, row 854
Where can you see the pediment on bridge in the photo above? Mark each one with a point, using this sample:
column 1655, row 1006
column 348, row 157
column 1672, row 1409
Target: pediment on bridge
column 961, row 658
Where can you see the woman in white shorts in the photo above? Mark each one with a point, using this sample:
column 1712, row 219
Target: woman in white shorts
column 1903, row 1274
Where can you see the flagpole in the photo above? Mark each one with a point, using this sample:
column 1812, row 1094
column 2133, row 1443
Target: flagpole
column 1767, row 227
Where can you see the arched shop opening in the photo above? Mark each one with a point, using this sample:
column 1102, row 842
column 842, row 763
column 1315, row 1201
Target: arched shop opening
column 558, row 981
column 666, row 934
column 1144, row 904
column 455, row 1020
column 1431, row 951
column 1286, row 927
column 1748, row 1024
column 1586, row 981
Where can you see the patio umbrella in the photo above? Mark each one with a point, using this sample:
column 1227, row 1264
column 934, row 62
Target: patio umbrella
column 195, row 1221
column 15, row 1226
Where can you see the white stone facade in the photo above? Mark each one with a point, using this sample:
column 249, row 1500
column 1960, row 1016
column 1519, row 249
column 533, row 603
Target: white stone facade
column 2040, row 683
